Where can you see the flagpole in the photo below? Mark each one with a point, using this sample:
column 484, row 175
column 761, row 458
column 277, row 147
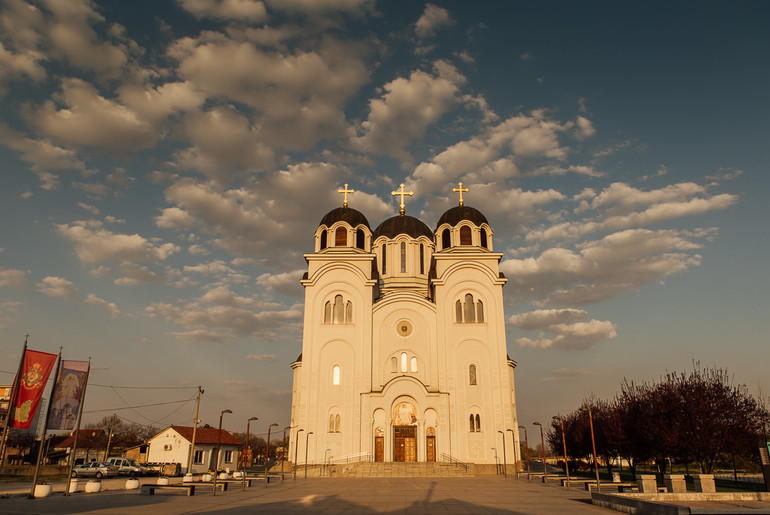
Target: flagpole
column 14, row 395
column 45, row 429
column 77, row 430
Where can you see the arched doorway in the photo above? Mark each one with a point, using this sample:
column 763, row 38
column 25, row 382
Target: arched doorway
column 379, row 444
column 404, row 432
column 430, row 444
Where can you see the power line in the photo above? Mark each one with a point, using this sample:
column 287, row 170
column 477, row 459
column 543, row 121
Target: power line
column 141, row 406
column 145, row 387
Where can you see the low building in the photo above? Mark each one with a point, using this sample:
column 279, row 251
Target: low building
column 92, row 443
column 5, row 401
column 172, row 445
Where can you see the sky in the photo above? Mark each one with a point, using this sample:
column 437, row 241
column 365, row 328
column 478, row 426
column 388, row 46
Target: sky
column 166, row 163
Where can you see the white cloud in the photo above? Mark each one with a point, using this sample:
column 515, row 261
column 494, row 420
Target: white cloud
column 57, row 287
column 12, row 278
column 95, row 244
column 286, row 283
column 543, row 318
column 574, row 336
column 566, row 373
column 19, row 65
column 432, row 18
column 246, row 10
column 584, row 128
column 263, row 358
column 108, row 307
column 41, row 154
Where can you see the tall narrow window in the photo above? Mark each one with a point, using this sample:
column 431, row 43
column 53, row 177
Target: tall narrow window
column 339, row 310
column 459, row 312
column 479, row 311
column 413, row 364
column 323, row 240
column 349, row 313
column 336, row 375
column 468, row 314
column 336, row 423
column 394, row 364
column 403, row 257
column 483, row 235
column 422, row 259
column 328, row 313
column 478, row 423
column 331, row 423
column 465, row 235
column 341, row 237
column 472, row 374
column 360, row 239
column 403, row 362
column 384, row 259
column 446, row 239
column 473, row 427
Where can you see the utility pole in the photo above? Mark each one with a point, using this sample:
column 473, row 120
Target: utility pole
column 195, row 430
column 109, row 438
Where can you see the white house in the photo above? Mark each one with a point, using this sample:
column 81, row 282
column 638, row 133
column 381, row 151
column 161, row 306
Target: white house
column 404, row 350
column 172, row 445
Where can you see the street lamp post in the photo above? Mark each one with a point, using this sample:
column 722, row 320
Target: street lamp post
column 513, row 447
column 307, row 436
column 505, row 459
column 267, row 451
column 219, row 442
column 248, row 452
column 593, row 443
column 542, row 443
column 526, row 448
column 296, row 446
column 283, row 450
column 564, row 443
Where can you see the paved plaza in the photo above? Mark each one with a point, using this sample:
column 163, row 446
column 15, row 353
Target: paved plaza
column 483, row 494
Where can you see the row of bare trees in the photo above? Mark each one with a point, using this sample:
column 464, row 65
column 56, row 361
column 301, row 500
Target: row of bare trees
column 700, row 417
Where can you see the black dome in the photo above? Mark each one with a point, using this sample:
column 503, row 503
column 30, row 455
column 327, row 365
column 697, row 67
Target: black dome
column 344, row 214
column 459, row 213
column 402, row 224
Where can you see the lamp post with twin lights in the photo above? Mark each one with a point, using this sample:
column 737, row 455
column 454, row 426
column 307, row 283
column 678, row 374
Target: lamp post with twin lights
column 296, row 446
column 307, row 436
column 564, row 443
column 219, row 442
column 267, row 450
column 542, row 443
column 513, row 447
column 247, row 463
column 505, row 459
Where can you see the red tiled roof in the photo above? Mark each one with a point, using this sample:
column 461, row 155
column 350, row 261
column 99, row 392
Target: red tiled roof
column 82, row 433
column 206, row 435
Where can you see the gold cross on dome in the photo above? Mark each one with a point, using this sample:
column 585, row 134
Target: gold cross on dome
column 345, row 191
column 460, row 190
column 402, row 193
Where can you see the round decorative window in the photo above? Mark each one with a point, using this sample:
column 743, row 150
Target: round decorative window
column 404, row 328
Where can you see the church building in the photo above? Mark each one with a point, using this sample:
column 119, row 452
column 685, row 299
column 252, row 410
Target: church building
column 403, row 350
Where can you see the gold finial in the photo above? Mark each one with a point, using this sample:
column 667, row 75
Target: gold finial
column 460, row 190
column 402, row 193
column 346, row 191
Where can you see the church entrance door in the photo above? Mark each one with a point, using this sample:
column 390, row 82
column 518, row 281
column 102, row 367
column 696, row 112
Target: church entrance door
column 430, row 448
column 405, row 440
column 379, row 448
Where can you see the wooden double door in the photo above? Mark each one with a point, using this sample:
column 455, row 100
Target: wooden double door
column 405, row 443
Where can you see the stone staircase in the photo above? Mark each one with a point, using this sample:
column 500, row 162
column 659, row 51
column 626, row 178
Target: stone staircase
column 392, row 469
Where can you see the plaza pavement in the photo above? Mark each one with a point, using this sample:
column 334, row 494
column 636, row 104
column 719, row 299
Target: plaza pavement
column 469, row 495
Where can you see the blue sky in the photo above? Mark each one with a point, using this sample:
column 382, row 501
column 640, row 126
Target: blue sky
column 165, row 164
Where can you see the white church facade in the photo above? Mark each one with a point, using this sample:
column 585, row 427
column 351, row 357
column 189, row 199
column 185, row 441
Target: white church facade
column 404, row 351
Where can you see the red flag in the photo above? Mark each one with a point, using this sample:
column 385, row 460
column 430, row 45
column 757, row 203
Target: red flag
column 34, row 376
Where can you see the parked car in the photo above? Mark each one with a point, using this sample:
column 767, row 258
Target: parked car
column 97, row 469
column 128, row 466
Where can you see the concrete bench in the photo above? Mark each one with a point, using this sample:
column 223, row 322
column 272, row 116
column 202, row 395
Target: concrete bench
column 150, row 489
column 236, row 482
column 613, row 487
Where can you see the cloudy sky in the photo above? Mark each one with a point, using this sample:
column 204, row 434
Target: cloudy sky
column 165, row 164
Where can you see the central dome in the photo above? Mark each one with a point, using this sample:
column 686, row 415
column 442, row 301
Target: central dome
column 402, row 224
column 344, row 214
column 459, row 213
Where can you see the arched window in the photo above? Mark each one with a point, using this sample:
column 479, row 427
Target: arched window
column 349, row 313
column 360, row 239
column 403, row 257
column 473, row 427
column 465, row 235
column 483, row 235
column 323, row 240
column 339, row 310
column 337, row 423
column 468, row 311
column 459, row 312
column 394, row 364
column 479, row 311
column 328, row 313
column 331, row 423
column 403, row 362
column 336, row 375
column 472, row 374
column 422, row 259
column 413, row 364
column 446, row 239
column 478, row 423
column 341, row 237
column 384, row 259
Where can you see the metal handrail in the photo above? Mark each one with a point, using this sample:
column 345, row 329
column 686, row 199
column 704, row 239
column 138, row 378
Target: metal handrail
column 455, row 461
column 360, row 456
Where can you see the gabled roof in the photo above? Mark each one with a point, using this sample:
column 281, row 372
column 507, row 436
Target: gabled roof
column 205, row 435
column 82, row 433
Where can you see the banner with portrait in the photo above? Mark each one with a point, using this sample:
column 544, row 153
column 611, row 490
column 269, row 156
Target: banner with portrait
column 36, row 367
column 67, row 395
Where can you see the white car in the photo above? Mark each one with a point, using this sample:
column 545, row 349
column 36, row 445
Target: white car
column 128, row 466
column 97, row 469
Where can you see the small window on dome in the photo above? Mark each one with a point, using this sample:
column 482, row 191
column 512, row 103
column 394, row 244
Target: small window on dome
column 384, row 259
column 323, row 240
column 484, row 238
column 360, row 239
column 446, row 239
column 422, row 259
column 341, row 237
column 465, row 235
column 403, row 257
